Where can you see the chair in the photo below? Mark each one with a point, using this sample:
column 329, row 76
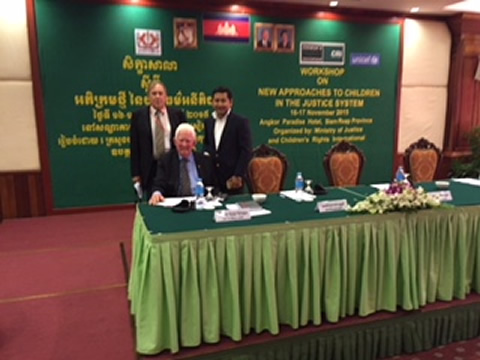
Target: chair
column 344, row 164
column 266, row 170
column 421, row 160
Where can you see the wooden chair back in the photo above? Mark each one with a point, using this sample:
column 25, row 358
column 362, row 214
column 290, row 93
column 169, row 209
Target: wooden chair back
column 344, row 164
column 421, row 160
column 267, row 170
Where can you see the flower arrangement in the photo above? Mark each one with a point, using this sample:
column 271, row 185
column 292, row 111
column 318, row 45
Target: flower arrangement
column 400, row 196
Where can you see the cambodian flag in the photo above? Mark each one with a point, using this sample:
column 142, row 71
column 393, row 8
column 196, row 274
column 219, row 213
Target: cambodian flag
column 235, row 28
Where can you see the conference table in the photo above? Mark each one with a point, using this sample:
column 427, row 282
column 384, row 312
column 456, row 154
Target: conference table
column 194, row 280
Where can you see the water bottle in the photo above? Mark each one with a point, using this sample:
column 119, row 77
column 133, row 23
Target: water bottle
column 400, row 175
column 299, row 181
column 199, row 189
column 200, row 200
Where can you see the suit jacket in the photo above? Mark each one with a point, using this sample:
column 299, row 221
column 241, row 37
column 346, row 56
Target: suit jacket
column 267, row 45
column 167, row 180
column 234, row 151
column 142, row 162
column 282, row 45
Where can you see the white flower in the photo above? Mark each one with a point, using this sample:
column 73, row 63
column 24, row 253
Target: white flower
column 399, row 197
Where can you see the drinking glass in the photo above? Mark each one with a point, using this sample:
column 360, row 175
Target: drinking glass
column 209, row 196
column 308, row 187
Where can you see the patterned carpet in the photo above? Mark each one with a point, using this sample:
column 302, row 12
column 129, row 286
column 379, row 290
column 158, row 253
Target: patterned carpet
column 462, row 350
column 63, row 292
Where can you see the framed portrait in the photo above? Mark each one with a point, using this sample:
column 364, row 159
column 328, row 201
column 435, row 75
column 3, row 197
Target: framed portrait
column 284, row 38
column 185, row 33
column 264, row 37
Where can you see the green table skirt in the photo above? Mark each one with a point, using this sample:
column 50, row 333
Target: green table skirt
column 193, row 287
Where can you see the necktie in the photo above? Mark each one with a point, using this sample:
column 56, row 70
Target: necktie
column 185, row 188
column 159, row 135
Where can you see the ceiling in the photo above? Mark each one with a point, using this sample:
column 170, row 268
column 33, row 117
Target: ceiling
column 427, row 7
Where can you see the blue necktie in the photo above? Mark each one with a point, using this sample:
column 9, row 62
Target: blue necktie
column 185, row 188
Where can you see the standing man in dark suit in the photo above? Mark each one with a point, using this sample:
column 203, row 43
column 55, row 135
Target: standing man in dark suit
column 180, row 168
column 228, row 139
column 151, row 134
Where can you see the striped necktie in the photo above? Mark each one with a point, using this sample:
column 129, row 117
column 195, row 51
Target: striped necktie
column 185, row 188
column 159, row 135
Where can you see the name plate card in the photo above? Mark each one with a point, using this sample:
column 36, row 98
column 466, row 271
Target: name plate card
column 232, row 215
column 443, row 195
column 332, row 205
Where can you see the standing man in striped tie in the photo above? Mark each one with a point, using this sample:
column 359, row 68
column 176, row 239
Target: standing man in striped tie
column 151, row 134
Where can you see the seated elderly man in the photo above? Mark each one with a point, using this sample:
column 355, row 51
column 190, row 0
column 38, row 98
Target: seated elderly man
column 179, row 169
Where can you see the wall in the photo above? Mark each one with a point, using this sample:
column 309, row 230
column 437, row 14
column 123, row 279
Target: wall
column 423, row 96
column 21, row 192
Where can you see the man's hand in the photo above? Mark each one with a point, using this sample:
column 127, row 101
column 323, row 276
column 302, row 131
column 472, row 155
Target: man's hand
column 235, row 182
column 156, row 198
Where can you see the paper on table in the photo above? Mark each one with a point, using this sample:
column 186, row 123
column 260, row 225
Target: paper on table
column 253, row 212
column 209, row 204
column 469, row 181
column 297, row 195
column 384, row 186
column 172, row 201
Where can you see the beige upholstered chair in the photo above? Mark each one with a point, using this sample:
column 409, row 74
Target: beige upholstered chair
column 421, row 160
column 344, row 164
column 267, row 170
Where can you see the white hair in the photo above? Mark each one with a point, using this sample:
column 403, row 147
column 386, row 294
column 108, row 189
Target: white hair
column 185, row 127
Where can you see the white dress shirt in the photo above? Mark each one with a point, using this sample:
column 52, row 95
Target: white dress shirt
column 219, row 127
column 166, row 127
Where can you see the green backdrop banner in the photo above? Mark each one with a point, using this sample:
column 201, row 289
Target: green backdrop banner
column 333, row 80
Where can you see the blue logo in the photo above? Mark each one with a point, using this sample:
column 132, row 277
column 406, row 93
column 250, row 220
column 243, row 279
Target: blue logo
column 362, row 59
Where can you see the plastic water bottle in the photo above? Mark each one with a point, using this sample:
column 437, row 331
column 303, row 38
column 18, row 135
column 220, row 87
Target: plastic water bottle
column 200, row 200
column 400, row 175
column 299, row 181
column 199, row 189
